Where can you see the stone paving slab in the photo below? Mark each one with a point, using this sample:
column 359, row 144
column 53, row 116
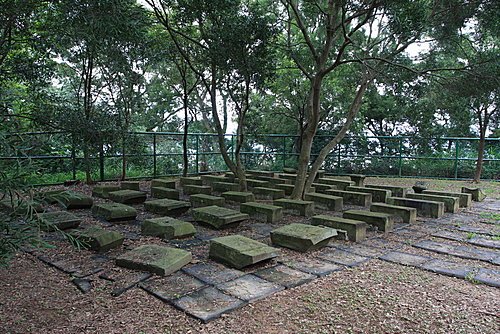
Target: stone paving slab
column 83, row 284
column 99, row 239
column 207, row 304
column 250, row 288
column 172, row 287
column 342, row 257
column 167, row 228
column 218, row 217
column 405, row 259
column 362, row 250
column 495, row 231
column 212, row 273
column 284, row 276
column 128, row 196
column 448, row 268
column 477, row 241
column 164, row 192
column 313, row 266
column 58, row 220
column 129, row 282
column 459, row 251
column 167, row 206
column 489, row 277
column 114, row 211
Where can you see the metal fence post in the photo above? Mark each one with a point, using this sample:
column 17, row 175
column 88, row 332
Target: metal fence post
column 101, row 162
column 284, row 152
column 457, row 149
column 154, row 155
column 73, row 156
column 197, row 154
column 400, row 173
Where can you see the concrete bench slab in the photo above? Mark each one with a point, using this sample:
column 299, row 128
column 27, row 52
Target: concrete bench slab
column 396, row 191
column 155, row 259
column 263, row 212
column 477, row 193
column 165, row 183
column 424, row 208
column 163, row 192
column 465, row 200
column 325, row 202
column 167, row 228
column 383, row 221
column 104, row 190
column 302, row 208
column 191, row 180
column 355, row 229
column 128, row 196
column 238, row 197
column 225, row 186
column 450, row 203
column 378, row 195
column 114, row 211
column 99, row 239
column 358, row 179
column 239, row 252
column 58, row 220
column 218, row 217
column 340, row 184
column 268, row 193
column 200, row 200
column 352, row 197
column 168, row 207
column 409, row 215
column 130, row 185
column 321, row 188
column 302, row 237
column 71, row 200
column 191, row 189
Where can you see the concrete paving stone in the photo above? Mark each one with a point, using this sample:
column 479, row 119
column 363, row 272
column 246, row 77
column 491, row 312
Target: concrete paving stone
column 128, row 282
column 447, row 268
column 285, row 276
column 313, row 266
column 342, row 257
column 83, row 284
column 172, row 287
column 363, row 250
column 405, row 258
column 212, row 273
column 250, row 288
column 495, row 231
column 186, row 243
column 485, row 242
column 488, row 277
column 459, row 251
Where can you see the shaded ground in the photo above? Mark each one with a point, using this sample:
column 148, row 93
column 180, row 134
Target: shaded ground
column 375, row 297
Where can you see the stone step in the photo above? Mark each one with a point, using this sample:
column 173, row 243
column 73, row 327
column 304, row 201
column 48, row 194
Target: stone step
column 352, row 197
column 450, row 203
column 191, row 180
column 409, row 215
column 128, row 196
column 130, row 185
column 268, row 193
column 465, row 200
column 325, row 202
column 201, row 200
column 424, row 208
column 167, row 228
column 167, row 206
column 340, row 184
column 114, row 211
column 238, row 196
column 378, row 195
column 383, row 221
column 166, row 183
column 191, row 189
column 302, row 208
column 163, row 192
column 263, row 212
column 302, row 237
column 358, row 179
column 355, row 229
column 477, row 193
column 396, row 191
column 225, row 186
column 218, row 217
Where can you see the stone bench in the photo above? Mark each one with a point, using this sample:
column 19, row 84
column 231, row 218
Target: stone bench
column 354, row 229
column 409, row 215
column 450, row 203
column 268, row 193
column 201, row 200
column 162, row 192
column 465, row 200
column 261, row 173
column 218, row 217
column 325, row 202
column 130, row 185
column 163, row 183
column 272, row 180
column 477, row 193
column 302, row 237
column 290, row 177
column 358, row 179
column 396, row 191
column 321, row 188
column 424, row 208
column 287, row 188
column 352, row 197
column 191, row 180
column 257, row 183
column 378, row 195
column 167, row 228
column 340, row 184
column 114, row 211
column 128, row 196
column 238, row 197
column 191, row 189
column 225, row 186
column 208, row 180
column 104, row 190
column 167, row 206
column 383, row 221
column 302, row 208
column 264, row 212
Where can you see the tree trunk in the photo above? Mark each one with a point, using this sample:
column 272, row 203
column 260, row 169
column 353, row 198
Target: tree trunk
column 184, row 139
column 480, row 155
column 124, row 158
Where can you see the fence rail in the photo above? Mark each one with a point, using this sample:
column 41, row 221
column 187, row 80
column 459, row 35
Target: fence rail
column 57, row 156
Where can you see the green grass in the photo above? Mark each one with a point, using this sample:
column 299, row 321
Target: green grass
column 490, row 216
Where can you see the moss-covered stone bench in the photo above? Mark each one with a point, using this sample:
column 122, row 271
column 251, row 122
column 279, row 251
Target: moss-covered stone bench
column 294, row 206
column 200, row 200
column 287, row 188
column 354, row 229
column 113, row 212
column 325, row 202
column 378, row 195
column 450, row 203
column 465, row 200
column 128, row 196
column 272, row 181
column 340, row 184
column 155, row 259
column 352, row 197
column 167, row 228
column 424, row 208
column 58, row 220
column 395, row 190
column 163, row 192
column 408, row 215
column 238, row 197
column 252, row 183
column 383, row 221
column 225, row 186
column 104, row 190
column 71, row 200
column 302, row 237
column 218, row 217
column 98, row 239
column 130, row 185
column 168, row 207
column 26, row 207
column 263, row 212
column 191, row 180
column 477, row 193
column 288, row 176
column 165, row 183
column 321, row 188
column 358, row 179
column 268, row 193
column 191, row 189
column 261, row 173
column 208, row 180
column 239, row 252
